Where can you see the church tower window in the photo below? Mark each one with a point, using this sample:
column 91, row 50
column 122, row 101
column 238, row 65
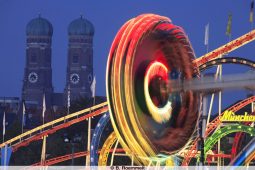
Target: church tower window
column 33, row 59
column 75, row 59
column 80, row 58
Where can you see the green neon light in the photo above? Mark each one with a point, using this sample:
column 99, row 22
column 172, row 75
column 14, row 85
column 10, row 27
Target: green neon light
column 225, row 131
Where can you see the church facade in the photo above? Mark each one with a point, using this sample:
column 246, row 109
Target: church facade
column 37, row 91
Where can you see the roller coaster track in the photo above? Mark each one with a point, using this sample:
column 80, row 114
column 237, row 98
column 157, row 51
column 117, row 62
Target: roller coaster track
column 102, row 161
column 251, row 155
column 210, row 141
column 245, row 156
column 235, row 60
column 211, row 127
column 98, row 131
column 112, row 138
column 240, row 41
column 107, row 148
column 215, row 123
column 59, row 159
column 53, row 126
column 220, row 133
column 237, row 140
column 227, row 60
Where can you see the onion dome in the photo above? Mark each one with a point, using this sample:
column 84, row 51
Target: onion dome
column 39, row 27
column 81, row 26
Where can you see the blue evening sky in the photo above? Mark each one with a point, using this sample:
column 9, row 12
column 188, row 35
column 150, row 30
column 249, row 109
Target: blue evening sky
column 107, row 17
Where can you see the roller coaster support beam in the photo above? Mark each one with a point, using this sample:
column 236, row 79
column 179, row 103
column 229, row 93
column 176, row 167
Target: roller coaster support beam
column 88, row 143
column 209, row 84
column 43, row 154
column 89, row 133
column 201, row 130
column 204, row 113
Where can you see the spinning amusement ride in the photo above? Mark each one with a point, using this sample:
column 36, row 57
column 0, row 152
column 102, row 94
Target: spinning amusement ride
column 153, row 123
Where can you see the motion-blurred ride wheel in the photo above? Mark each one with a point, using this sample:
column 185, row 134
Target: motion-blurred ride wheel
column 148, row 53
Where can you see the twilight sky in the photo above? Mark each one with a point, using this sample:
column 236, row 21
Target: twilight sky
column 107, row 17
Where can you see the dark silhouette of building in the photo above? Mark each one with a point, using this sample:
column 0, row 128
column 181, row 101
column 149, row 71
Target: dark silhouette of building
column 9, row 105
column 37, row 81
column 79, row 74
